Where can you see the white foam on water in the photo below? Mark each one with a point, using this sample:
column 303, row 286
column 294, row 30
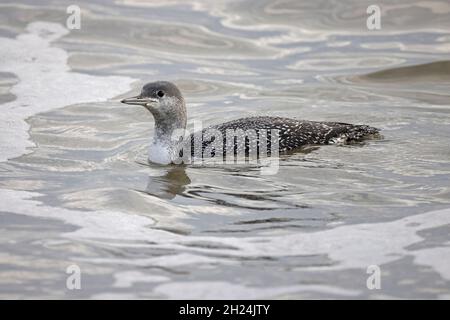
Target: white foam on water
column 166, row 261
column 45, row 83
column 225, row 290
column 126, row 279
column 437, row 258
column 103, row 223
column 348, row 246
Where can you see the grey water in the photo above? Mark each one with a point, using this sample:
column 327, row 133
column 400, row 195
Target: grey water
column 76, row 190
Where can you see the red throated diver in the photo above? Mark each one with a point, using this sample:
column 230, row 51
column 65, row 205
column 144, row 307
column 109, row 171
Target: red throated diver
column 166, row 103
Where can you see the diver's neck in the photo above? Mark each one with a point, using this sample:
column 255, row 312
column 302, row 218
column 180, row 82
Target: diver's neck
column 169, row 134
column 167, row 141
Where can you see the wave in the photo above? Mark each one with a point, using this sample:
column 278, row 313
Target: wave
column 347, row 247
column 45, row 82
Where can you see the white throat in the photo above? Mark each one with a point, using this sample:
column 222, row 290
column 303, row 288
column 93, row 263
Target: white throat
column 160, row 152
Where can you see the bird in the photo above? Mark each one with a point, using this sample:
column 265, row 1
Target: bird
column 251, row 136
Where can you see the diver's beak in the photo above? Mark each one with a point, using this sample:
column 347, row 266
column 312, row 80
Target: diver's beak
column 138, row 100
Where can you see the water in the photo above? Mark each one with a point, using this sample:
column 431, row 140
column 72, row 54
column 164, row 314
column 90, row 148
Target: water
column 75, row 188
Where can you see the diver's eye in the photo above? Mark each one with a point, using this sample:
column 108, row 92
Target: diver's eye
column 160, row 93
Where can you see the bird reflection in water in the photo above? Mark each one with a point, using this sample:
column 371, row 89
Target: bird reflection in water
column 167, row 186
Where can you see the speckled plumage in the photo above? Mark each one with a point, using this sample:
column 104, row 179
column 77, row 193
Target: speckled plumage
column 169, row 112
column 292, row 133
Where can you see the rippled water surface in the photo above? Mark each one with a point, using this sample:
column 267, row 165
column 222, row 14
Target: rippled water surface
column 75, row 188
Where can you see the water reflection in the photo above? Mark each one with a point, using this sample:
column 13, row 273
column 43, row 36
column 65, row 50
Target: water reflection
column 218, row 231
column 167, row 186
